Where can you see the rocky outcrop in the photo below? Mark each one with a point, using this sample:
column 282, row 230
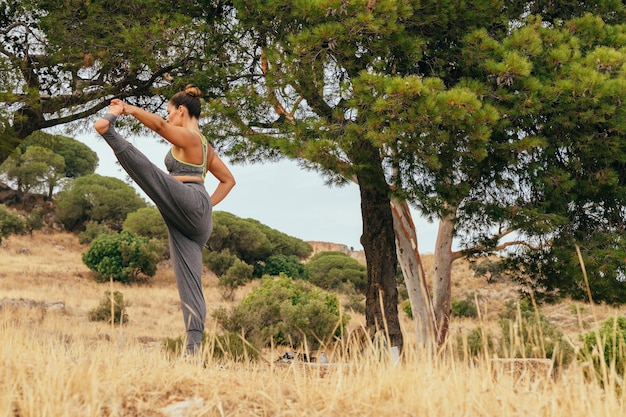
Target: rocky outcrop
column 337, row 247
column 27, row 303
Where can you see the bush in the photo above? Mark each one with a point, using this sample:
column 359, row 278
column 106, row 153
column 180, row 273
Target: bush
column 147, row 222
column 103, row 311
column 285, row 312
column 289, row 265
column 541, row 339
column 406, row 307
column 95, row 197
column 464, row 308
column 34, row 221
column 609, row 350
column 476, row 343
column 218, row 262
column 10, row 223
column 330, row 270
column 122, row 256
column 237, row 275
column 228, row 346
column 93, row 230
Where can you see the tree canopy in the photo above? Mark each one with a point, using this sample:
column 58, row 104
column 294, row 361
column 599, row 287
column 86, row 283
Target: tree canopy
column 98, row 198
column 62, row 61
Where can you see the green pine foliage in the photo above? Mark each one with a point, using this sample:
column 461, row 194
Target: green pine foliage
column 274, row 265
column 95, row 197
column 337, row 271
column 251, row 241
column 238, row 274
column 93, row 230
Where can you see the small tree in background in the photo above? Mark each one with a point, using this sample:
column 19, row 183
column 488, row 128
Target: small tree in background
column 148, row 222
column 237, row 275
column 251, row 241
column 122, row 257
column 79, row 158
column 337, row 271
column 93, row 230
column 95, row 197
column 218, row 262
column 35, row 169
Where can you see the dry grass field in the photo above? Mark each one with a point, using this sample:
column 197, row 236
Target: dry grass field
column 55, row 362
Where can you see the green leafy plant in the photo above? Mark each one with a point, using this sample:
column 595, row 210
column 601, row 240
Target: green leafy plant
column 464, row 308
column 237, row 275
column 285, row 312
column 526, row 333
column 330, row 270
column 92, row 230
column 290, row 265
column 103, row 311
column 605, row 349
column 122, row 257
column 228, row 346
column 10, row 223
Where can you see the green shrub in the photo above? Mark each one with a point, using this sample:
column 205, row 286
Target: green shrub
column 609, row 350
column 92, row 230
column 329, row 270
column 525, row 337
column 228, row 346
column 237, row 275
column 103, row 311
column 285, row 312
column 218, row 262
column 10, row 223
column 476, row 343
column 147, row 222
column 122, row 257
column 406, row 307
column 274, row 265
column 34, row 220
column 464, row 308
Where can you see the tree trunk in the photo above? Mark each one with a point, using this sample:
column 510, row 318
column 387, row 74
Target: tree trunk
column 378, row 240
column 442, row 276
column 414, row 277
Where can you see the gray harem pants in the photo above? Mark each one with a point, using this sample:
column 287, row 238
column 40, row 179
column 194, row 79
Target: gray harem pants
column 186, row 209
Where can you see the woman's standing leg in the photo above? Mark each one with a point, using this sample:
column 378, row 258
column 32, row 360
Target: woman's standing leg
column 186, row 256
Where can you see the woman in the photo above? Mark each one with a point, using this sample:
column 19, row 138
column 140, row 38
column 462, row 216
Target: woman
column 180, row 195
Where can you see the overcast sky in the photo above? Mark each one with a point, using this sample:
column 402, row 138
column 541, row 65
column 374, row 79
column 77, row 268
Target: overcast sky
column 279, row 195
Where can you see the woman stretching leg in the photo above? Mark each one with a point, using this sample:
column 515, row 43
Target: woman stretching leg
column 180, row 196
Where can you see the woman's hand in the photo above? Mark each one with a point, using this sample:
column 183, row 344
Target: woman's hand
column 117, row 107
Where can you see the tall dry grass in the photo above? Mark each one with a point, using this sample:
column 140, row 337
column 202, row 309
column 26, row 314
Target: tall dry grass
column 57, row 363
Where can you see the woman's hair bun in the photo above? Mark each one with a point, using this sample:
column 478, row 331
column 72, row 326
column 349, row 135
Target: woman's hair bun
column 192, row 90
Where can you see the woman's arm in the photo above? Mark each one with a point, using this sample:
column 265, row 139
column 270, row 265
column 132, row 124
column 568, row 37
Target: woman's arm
column 176, row 135
column 220, row 171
